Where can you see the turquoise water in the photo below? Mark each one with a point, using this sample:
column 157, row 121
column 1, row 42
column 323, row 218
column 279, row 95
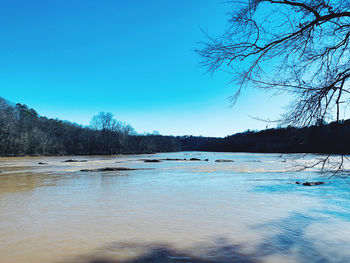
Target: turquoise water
column 249, row 210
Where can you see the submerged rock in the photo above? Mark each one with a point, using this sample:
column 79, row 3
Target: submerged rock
column 75, row 161
column 42, row 163
column 309, row 183
column 224, row 161
column 110, row 169
column 173, row 159
column 194, row 159
column 152, row 161
column 312, row 183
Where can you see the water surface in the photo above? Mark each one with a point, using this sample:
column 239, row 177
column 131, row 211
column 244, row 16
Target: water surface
column 249, row 210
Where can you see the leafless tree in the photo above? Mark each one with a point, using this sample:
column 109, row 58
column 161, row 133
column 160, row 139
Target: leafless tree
column 104, row 122
column 114, row 133
column 296, row 46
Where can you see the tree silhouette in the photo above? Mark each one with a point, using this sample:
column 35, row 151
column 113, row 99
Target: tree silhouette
column 295, row 46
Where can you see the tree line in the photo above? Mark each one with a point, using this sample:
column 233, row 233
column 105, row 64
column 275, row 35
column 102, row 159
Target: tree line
column 24, row 132
column 332, row 138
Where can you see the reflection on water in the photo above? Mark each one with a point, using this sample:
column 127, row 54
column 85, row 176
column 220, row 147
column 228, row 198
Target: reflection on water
column 249, row 210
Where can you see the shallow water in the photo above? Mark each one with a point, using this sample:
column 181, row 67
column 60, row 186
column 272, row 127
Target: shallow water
column 249, row 210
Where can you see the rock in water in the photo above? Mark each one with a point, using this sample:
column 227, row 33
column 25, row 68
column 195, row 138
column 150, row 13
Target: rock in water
column 312, row 183
column 109, row 169
column 152, row 161
column 173, row 159
column 75, row 161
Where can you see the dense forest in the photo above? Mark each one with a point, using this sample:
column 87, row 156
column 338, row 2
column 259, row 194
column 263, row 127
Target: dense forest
column 24, row 132
column 325, row 138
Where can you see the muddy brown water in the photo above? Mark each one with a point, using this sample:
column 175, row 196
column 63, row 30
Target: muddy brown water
column 249, row 210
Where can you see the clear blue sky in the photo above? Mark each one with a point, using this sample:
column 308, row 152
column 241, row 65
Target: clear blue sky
column 71, row 59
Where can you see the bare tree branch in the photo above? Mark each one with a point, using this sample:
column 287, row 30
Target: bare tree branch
column 300, row 47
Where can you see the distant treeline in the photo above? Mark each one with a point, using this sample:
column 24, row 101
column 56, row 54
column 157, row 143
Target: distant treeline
column 24, row 132
column 325, row 138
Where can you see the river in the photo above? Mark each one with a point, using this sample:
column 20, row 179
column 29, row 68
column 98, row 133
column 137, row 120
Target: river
column 248, row 210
